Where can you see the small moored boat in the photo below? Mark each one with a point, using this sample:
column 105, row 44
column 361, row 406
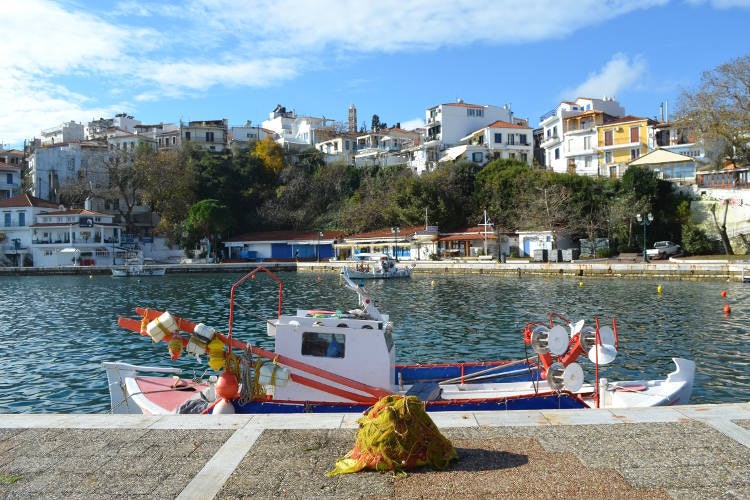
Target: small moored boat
column 375, row 265
column 137, row 267
column 342, row 361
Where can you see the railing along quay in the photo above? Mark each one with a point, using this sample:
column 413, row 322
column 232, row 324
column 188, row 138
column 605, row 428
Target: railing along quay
column 673, row 269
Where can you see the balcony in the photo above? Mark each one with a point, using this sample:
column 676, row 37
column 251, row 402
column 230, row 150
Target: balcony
column 551, row 141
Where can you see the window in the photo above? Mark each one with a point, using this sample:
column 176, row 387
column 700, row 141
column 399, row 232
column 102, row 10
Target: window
column 9, row 178
column 587, row 162
column 21, row 219
column 524, row 157
column 323, row 345
column 209, row 137
column 522, row 139
column 554, row 131
column 477, row 157
column 7, row 219
column 635, row 153
column 187, row 136
column 634, row 134
column 346, row 145
column 475, row 112
column 512, row 156
column 587, row 142
column 498, row 138
column 511, row 139
column 557, row 153
column 608, row 140
column 608, row 157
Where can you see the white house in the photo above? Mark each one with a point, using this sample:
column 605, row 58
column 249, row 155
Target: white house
column 211, row 135
column 557, row 151
column 446, row 124
column 245, row 135
column 503, row 140
column 18, row 214
column 291, row 130
column 54, row 165
column 340, row 148
column 63, row 133
column 385, row 147
column 94, row 236
column 10, row 179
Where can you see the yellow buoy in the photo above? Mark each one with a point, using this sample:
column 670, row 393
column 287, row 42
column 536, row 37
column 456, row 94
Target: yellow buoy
column 580, row 283
column 659, row 289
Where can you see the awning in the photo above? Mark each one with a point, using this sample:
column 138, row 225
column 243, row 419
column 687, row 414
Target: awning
column 452, row 153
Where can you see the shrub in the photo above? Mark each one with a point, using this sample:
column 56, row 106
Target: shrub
column 695, row 241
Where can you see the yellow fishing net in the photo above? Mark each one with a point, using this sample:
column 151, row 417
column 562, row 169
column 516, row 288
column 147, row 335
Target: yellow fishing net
column 396, row 434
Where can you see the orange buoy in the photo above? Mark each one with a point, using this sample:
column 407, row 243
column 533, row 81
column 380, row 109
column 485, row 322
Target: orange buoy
column 227, row 386
column 727, row 309
column 723, row 293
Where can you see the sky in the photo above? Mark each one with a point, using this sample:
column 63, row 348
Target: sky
column 167, row 61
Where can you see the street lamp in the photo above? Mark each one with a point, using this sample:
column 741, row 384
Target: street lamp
column 644, row 221
column 317, row 249
column 395, row 230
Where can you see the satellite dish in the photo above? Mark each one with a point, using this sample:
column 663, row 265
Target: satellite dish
column 607, row 354
column 539, row 336
column 557, row 340
column 573, row 377
column 575, row 328
column 555, row 374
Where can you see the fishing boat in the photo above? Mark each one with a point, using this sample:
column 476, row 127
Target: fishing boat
column 138, row 267
column 375, row 265
column 344, row 361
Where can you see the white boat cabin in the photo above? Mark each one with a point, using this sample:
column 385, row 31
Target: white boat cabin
column 356, row 344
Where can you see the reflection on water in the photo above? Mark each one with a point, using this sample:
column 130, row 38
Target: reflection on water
column 56, row 331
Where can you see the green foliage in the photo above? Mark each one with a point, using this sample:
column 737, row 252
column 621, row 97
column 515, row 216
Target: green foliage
column 207, row 218
column 695, row 241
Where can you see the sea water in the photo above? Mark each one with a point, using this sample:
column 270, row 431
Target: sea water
column 55, row 331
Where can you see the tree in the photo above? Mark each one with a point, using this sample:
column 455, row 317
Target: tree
column 207, row 219
column 270, row 154
column 719, row 110
column 722, row 228
column 375, row 124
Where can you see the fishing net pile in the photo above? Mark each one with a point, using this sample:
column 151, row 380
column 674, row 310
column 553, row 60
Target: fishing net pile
column 396, row 434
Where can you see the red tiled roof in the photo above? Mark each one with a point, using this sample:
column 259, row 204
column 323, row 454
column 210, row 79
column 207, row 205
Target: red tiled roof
column 469, row 233
column 386, row 233
column 463, row 105
column 76, row 211
column 286, row 236
column 26, row 200
column 502, row 124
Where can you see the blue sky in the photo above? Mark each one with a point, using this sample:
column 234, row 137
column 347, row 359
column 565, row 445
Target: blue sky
column 166, row 61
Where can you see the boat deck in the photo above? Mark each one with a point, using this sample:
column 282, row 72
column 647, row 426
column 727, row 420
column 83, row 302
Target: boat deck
column 699, row 451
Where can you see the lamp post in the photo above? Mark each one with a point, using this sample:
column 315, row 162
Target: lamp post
column 644, row 221
column 395, row 230
column 317, row 249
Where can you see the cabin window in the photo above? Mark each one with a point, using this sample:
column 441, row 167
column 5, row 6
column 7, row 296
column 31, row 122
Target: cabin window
column 324, row 345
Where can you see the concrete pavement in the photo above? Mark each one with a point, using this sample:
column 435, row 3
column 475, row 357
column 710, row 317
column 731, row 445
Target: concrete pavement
column 700, row 451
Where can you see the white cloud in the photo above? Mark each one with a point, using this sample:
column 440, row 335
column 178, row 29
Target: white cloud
column 722, row 4
column 412, row 124
column 178, row 48
column 619, row 73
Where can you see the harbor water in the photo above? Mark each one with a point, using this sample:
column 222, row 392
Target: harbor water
column 57, row 330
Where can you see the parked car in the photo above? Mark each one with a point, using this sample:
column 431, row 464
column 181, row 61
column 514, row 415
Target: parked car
column 663, row 249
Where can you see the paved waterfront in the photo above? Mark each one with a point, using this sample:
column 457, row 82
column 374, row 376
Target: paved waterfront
column 700, row 451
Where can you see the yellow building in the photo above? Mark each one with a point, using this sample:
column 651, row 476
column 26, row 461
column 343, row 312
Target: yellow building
column 620, row 142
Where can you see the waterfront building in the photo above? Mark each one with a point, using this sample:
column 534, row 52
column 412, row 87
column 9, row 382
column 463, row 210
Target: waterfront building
column 415, row 243
column 669, row 166
column 282, row 246
column 18, row 214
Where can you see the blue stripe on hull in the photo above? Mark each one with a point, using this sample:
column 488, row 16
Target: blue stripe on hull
column 548, row 402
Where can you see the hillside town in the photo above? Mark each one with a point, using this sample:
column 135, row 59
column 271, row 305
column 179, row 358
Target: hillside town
column 591, row 137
